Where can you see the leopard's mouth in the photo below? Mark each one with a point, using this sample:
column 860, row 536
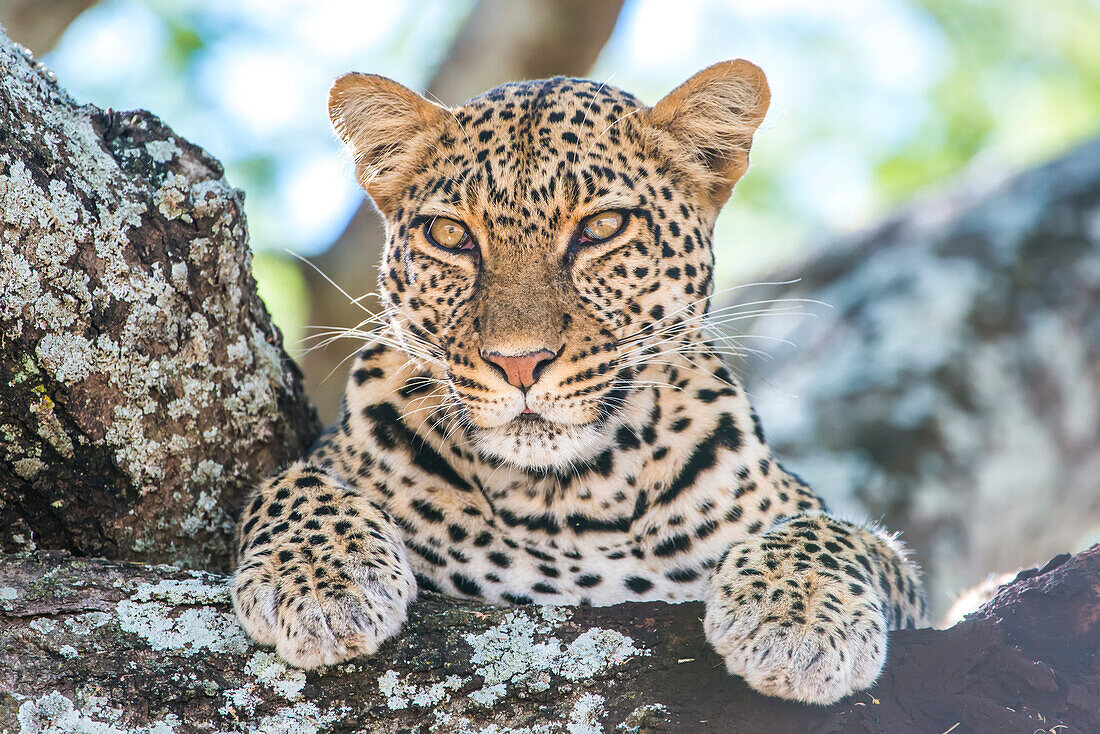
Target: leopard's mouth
column 532, row 440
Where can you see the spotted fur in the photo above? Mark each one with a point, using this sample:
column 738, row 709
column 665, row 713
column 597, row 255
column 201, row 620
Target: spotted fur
column 632, row 469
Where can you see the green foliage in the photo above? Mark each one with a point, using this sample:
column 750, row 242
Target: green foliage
column 1023, row 83
column 183, row 45
column 283, row 290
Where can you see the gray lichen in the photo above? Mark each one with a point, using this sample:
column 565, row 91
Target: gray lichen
column 518, row 652
column 55, row 713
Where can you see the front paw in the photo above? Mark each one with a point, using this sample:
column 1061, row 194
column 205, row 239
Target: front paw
column 320, row 611
column 796, row 632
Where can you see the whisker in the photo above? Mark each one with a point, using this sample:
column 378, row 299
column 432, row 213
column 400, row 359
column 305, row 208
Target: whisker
column 330, row 281
column 461, row 127
column 587, row 107
column 718, row 293
column 613, row 124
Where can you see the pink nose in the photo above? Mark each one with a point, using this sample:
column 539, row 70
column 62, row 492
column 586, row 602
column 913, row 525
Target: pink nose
column 521, row 370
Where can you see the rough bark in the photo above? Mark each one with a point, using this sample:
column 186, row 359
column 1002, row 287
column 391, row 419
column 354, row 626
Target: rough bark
column 132, row 648
column 143, row 387
column 39, row 25
column 953, row 389
column 501, row 41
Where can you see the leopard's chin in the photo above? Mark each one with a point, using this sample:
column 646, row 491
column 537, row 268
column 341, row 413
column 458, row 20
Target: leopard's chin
column 537, row 443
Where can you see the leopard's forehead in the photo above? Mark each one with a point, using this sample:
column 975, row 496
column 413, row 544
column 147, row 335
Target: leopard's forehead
column 535, row 151
column 561, row 101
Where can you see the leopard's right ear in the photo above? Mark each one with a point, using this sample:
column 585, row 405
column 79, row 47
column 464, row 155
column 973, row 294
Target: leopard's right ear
column 379, row 120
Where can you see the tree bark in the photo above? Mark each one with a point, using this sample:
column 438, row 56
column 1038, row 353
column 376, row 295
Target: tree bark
column 132, row 648
column 143, row 388
column 953, row 389
column 501, row 41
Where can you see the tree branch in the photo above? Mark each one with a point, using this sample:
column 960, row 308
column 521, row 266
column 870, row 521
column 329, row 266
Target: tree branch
column 136, row 647
column 953, row 387
column 39, row 25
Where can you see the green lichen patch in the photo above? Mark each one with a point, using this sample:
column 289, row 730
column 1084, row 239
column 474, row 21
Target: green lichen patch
column 272, row 672
column 586, row 714
column 302, row 718
column 186, row 591
column 85, row 624
column 402, row 695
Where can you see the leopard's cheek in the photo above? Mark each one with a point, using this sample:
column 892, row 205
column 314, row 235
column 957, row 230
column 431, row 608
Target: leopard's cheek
column 613, row 283
column 425, row 291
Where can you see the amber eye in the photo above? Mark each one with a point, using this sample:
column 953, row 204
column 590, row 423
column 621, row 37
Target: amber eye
column 449, row 234
column 600, row 227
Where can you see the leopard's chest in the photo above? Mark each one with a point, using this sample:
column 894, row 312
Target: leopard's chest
column 646, row 517
column 597, row 568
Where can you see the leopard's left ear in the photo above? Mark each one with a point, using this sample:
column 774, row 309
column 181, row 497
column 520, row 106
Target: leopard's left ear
column 712, row 118
column 382, row 123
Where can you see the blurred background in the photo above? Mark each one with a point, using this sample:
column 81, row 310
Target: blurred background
column 952, row 390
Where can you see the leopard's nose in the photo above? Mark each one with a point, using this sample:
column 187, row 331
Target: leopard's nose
column 521, row 370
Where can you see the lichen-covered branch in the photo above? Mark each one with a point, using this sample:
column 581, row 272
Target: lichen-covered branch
column 91, row 645
column 143, row 387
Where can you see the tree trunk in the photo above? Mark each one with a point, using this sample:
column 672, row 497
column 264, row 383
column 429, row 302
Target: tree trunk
column 39, row 25
column 953, row 389
column 143, row 388
column 131, row 648
column 501, row 41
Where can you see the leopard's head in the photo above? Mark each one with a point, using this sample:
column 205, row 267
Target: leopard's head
column 545, row 238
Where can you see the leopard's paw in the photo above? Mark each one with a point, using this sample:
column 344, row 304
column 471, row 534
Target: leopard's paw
column 812, row 661
column 321, row 613
column 792, row 630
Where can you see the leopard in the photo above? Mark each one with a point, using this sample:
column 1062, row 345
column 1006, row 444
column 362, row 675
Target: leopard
column 539, row 412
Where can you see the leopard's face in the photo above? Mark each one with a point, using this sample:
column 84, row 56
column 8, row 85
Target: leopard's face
column 543, row 242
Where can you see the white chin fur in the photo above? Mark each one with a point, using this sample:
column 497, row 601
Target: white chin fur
column 541, row 444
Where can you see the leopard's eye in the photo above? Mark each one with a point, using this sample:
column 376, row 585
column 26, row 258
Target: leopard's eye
column 449, row 234
column 603, row 226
